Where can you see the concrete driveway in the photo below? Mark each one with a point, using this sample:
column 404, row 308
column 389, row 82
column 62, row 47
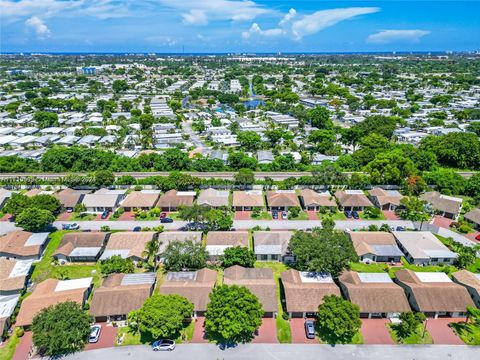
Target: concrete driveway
column 375, row 331
column 267, row 332
column 297, row 328
column 107, row 337
column 441, row 333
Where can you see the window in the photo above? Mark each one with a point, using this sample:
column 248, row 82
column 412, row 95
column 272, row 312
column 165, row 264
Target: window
column 264, row 257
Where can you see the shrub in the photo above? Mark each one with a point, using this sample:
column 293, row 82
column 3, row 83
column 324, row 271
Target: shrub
column 105, row 228
column 19, row 332
column 465, row 229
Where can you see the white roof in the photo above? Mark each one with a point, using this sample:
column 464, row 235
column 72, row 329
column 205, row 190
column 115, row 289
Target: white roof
column 186, row 193
column 138, row 279
column 351, row 192
column 8, row 304
column 85, row 251
column 66, row 285
column 437, row 277
column 21, row 268
column 108, row 253
column 314, row 277
column 374, row 278
column 37, row 239
column 216, row 249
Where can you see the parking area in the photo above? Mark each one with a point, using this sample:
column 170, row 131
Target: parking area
column 65, row 216
column 297, row 328
column 375, row 331
column 199, row 335
column 443, row 334
column 242, row 215
column 442, row 221
column 267, row 332
column 390, row 215
column 107, row 337
column 127, row 216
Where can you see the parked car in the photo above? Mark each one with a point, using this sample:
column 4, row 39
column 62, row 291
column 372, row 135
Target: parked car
column 348, row 214
column 166, row 220
column 400, row 228
column 72, row 226
column 309, row 329
column 163, row 345
column 284, row 215
column 105, row 214
column 477, row 237
column 355, row 215
column 163, row 215
column 275, row 214
column 137, row 228
column 95, row 331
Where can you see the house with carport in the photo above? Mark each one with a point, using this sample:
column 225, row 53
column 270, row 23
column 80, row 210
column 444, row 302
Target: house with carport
column 81, row 247
column 247, row 200
column 272, row 246
column 314, row 201
column 352, row 200
column 141, row 200
column 173, row 199
column 282, row 200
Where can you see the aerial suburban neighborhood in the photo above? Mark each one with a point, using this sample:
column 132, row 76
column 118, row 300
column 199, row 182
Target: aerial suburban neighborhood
column 262, row 195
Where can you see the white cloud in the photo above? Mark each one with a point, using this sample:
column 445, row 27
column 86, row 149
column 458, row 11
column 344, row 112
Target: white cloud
column 256, row 30
column 195, row 17
column 288, row 16
column 39, row 26
column 389, row 36
column 313, row 23
column 162, row 40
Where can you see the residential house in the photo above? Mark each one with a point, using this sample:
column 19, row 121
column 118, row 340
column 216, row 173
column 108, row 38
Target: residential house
column 52, row 292
column 471, row 281
column 23, row 245
column 473, row 217
column 4, row 196
column 81, row 247
column 433, row 293
column 247, row 200
column 314, row 201
column 173, row 199
column 213, row 198
column 69, row 198
column 447, row 206
column 423, row 248
column 128, row 245
column 142, row 200
column 102, row 200
column 304, row 291
column 272, row 246
column 375, row 246
column 8, row 304
column 375, row 293
column 14, row 275
column 121, row 294
column 282, row 200
column 387, row 200
column 264, row 156
column 352, row 200
column 195, row 286
column 218, row 241
column 167, row 237
column 259, row 281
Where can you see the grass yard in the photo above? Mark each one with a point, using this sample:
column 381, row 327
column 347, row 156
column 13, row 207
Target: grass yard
column 302, row 215
column 147, row 217
column 82, row 217
column 362, row 215
column 138, row 338
column 284, row 334
column 8, row 349
column 430, row 268
column 264, row 215
column 468, row 332
column 415, row 338
column 335, row 216
column 369, row 268
column 173, row 215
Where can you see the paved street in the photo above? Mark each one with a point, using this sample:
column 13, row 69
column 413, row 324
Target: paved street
column 287, row 352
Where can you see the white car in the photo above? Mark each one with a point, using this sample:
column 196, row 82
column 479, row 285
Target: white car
column 163, row 345
column 95, row 331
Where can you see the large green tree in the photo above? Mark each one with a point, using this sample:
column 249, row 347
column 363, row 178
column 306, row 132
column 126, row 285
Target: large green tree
column 162, row 316
column 249, row 140
column 34, row 219
column 238, row 255
column 45, row 119
column 390, row 168
column 116, row 264
column 233, row 314
column 320, row 117
column 61, row 329
column 184, row 255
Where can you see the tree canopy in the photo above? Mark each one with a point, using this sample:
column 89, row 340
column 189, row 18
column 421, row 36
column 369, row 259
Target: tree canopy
column 34, row 219
column 184, row 255
column 238, row 255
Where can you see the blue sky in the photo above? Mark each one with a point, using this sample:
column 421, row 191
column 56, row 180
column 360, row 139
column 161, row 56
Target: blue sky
column 238, row 25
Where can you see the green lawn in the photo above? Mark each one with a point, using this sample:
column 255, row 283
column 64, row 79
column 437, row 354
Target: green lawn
column 148, row 217
column 430, row 268
column 415, row 338
column 284, row 334
column 173, row 215
column 369, row 268
column 335, row 216
column 82, row 217
column 381, row 216
column 264, row 215
column 137, row 338
column 469, row 333
column 8, row 349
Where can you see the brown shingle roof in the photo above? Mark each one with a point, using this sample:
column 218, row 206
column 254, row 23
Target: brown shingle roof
column 70, row 241
column 14, row 243
column 435, row 296
column 383, row 197
column 7, row 282
column 280, row 198
column 231, row 238
column 172, row 199
column 363, row 241
column 442, row 202
column 473, row 216
column 382, row 297
column 271, row 238
column 467, row 278
column 247, row 199
column 213, row 197
column 134, row 241
column 305, row 296
column 313, row 198
column 166, row 237
column 69, row 198
column 196, row 287
column 259, row 281
column 348, row 200
column 138, row 199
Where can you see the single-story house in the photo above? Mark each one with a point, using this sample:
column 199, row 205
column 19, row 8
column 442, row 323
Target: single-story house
column 142, row 200
column 120, row 294
column 173, row 199
column 471, row 281
column 272, row 245
column 314, row 201
column 473, row 216
column 375, row 246
column 247, row 200
column 375, row 293
column 447, row 206
column 259, row 281
column 51, row 292
column 8, row 303
column 423, row 248
column 100, row 202
column 213, row 198
column 282, row 200
column 167, row 237
column 69, row 198
column 128, row 245
column 304, row 291
column 385, row 199
column 195, row 286
column 433, row 293
column 352, row 200
column 23, row 245
column 81, row 247
column 14, row 275
column 218, row 241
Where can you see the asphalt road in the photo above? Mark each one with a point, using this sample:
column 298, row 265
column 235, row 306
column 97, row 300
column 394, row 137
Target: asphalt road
column 287, row 352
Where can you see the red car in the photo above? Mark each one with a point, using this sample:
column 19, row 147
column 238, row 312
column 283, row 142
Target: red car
column 163, row 215
column 477, row 237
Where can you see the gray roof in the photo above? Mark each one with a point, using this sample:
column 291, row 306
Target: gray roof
column 139, row 279
column 387, row 250
column 85, row 251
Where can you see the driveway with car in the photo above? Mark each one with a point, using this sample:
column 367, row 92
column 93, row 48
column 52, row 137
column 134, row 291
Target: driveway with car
column 108, row 334
column 297, row 328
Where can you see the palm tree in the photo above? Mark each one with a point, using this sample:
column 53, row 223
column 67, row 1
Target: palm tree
column 151, row 250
